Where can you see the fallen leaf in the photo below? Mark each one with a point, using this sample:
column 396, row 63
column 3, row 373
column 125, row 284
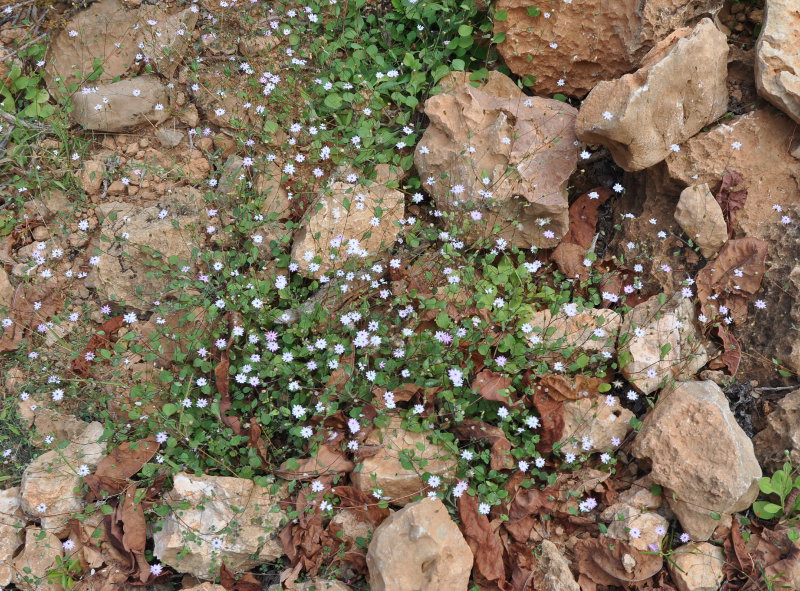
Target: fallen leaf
column 327, row 461
column 245, row 582
column 607, row 561
column 102, row 339
column 484, row 543
column 492, row 386
column 501, row 446
column 362, row 505
column 731, row 199
column 561, row 388
column 127, row 459
column 746, row 255
column 524, row 510
column 551, row 415
column 25, row 317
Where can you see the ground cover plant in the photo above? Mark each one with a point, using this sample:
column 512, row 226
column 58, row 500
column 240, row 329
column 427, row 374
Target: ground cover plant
column 309, row 294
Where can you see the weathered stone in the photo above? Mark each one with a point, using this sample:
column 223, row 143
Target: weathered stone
column 496, row 156
column 667, row 344
column 385, row 471
column 593, row 330
column 315, row 584
column 639, row 528
column 165, row 42
column 50, row 488
column 206, row 587
column 778, row 56
column 582, row 43
column 60, row 426
column 12, row 522
column 700, row 216
column 697, row 567
column 419, row 548
column 41, row 554
column 6, row 290
column 236, row 511
column 130, row 103
column 92, row 176
column 700, row 455
column 639, row 496
column 679, row 89
column 592, row 420
column 552, row 570
column 122, row 271
column 169, row 138
column 335, row 231
column 781, row 434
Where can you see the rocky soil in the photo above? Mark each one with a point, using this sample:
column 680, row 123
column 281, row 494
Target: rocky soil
column 644, row 155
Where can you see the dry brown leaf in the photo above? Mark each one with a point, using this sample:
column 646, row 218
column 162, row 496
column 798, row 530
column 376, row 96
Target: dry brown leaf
column 524, row 510
column 362, row 505
column 501, row 446
column 492, row 386
column 245, row 582
column 327, row 461
column 731, row 199
column 483, row 541
column 747, row 255
column 50, row 295
column 102, row 339
column 127, row 459
column 551, row 415
column 561, row 388
column 602, row 560
column 583, row 215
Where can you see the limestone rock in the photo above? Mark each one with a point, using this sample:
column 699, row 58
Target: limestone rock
column 626, row 519
column 169, row 138
column 419, row 548
column 679, row 89
column 205, row 587
column 667, row 342
column 42, row 549
column 778, row 56
column 315, row 584
column 781, row 433
column 700, row 216
column 130, row 103
column 701, row 457
column 91, row 178
column 244, row 516
column 60, row 426
column 50, row 488
column 757, row 145
column 552, row 570
column 335, row 232
column 12, row 522
column 593, row 330
column 122, row 271
column 697, row 567
column 385, row 471
column 582, row 43
column 165, row 42
column 591, row 419
column 499, row 156
column 6, row 290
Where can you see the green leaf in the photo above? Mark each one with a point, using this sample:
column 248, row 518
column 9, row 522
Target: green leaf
column 458, row 65
column 560, row 97
column 465, row 31
column 499, row 38
column 765, row 485
column 533, row 11
column 333, row 101
column 501, row 15
column 169, row 409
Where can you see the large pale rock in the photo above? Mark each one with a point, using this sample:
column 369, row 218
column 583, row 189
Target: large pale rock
column 122, row 273
column 679, row 89
column 12, row 522
column 757, row 145
column 591, row 419
column 339, row 224
column 593, row 330
column 315, row 584
column 385, row 471
column 110, row 33
column 6, row 290
column 125, row 108
column 669, row 345
column 419, row 548
column 552, row 570
column 700, row 216
column 697, row 567
column 781, row 434
column 778, row 56
column 699, row 455
column 51, row 482
column 41, row 554
column 627, row 519
column 91, row 178
column 594, row 39
column 244, row 516
column 494, row 152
